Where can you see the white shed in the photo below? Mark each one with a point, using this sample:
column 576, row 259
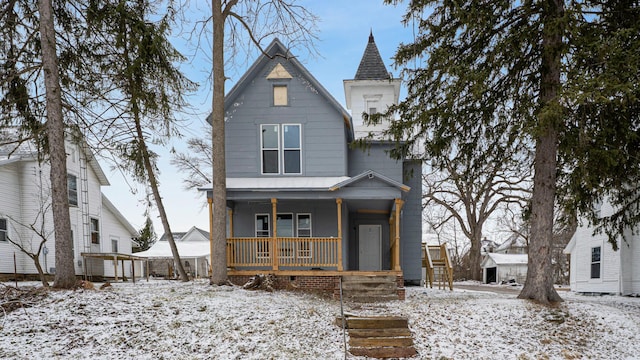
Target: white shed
column 193, row 247
column 504, row 267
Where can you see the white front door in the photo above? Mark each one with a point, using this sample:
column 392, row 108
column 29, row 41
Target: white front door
column 370, row 247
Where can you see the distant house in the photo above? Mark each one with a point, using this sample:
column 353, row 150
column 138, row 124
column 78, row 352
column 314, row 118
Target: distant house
column 193, row 247
column 596, row 268
column 498, row 268
column 96, row 224
column 303, row 203
column 515, row 244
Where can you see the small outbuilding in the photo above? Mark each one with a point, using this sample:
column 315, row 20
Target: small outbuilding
column 497, row 268
column 193, row 247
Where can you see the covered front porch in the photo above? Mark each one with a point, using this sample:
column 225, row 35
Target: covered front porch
column 298, row 250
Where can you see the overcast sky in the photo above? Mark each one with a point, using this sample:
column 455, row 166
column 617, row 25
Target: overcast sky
column 343, row 34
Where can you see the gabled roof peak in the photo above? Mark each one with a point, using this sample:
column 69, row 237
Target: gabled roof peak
column 371, row 66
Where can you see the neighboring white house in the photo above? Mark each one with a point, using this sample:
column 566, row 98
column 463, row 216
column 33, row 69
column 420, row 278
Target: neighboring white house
column 96, row 225
column 596, row 268
column 497, row 268
column 194, row 249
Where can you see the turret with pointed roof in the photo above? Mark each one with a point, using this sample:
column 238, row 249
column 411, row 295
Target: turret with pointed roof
column 371, row 66
column 372, row 90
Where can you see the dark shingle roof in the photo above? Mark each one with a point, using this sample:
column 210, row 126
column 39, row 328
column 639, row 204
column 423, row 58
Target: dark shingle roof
column 371, row 66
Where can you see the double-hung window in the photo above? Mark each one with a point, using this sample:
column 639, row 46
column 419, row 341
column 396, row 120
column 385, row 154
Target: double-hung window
column 281, row 147
column 595, row 262
column 95, row 231
column 4, row 229
column 72, row 186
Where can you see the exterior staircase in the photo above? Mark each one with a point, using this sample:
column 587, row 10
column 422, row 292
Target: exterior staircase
column 370, row 288
column 380, row 337
column 437, row 263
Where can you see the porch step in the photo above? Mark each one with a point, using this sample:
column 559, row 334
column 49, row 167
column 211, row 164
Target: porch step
column 380, row 337
column 372, row 288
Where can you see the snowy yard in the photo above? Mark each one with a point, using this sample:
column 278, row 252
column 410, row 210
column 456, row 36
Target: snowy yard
column 173, row 320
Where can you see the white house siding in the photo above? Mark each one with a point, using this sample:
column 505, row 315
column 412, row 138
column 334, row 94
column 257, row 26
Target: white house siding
column 34, row 185
column 113, row 229
column 581, row 264
column 9, row 207
column 630, row 251
column 23, row 183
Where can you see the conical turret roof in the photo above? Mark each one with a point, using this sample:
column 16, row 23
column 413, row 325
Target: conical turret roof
column 371, row 66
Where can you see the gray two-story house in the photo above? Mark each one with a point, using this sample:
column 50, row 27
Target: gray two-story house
column 303, row 204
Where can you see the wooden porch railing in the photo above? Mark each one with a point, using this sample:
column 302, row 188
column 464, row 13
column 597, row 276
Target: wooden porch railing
column 286, row 252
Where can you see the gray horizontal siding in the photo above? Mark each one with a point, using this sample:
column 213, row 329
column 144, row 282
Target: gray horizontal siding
column 323, row 135
column 375, row 158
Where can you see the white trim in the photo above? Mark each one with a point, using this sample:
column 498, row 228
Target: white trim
column 299, row 149
column 262, row 148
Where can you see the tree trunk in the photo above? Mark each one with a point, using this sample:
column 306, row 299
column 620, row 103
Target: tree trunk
column 65, row 276
column 153, row 183
column 43, row 277
column 539, row 283
column 475, row 257
column 219, row 191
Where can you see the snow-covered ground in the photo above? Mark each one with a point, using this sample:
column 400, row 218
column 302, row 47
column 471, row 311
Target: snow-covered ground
column 173, row 320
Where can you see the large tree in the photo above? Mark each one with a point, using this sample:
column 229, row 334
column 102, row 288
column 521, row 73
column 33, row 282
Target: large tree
column 505, row 63
column 65, row 276
column 258, row 20
column 138, row 64
column 471, row 191
column 117, row 86
column 42, row 57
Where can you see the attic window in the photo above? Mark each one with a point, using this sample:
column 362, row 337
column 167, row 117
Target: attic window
column 280, row 95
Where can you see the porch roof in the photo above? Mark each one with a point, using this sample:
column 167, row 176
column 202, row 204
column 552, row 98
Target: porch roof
column 301, row 183
column 304, row 183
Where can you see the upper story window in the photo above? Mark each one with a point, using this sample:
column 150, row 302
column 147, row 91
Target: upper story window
column 372, row 107
column 4, row 229
column 281, row 147
column 595, row 262
column 72, row 188
column 114, row 245
column 95, row 231
column 280, row 95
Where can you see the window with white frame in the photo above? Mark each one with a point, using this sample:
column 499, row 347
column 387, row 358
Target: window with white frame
column 291, row 147
column 303, row 222
column 72, row 188
column 4, row 229
column 596, row 257
column 262, row 231
column 95, row 231
column 270, row 142
column 114, row 245
column 281, row 147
